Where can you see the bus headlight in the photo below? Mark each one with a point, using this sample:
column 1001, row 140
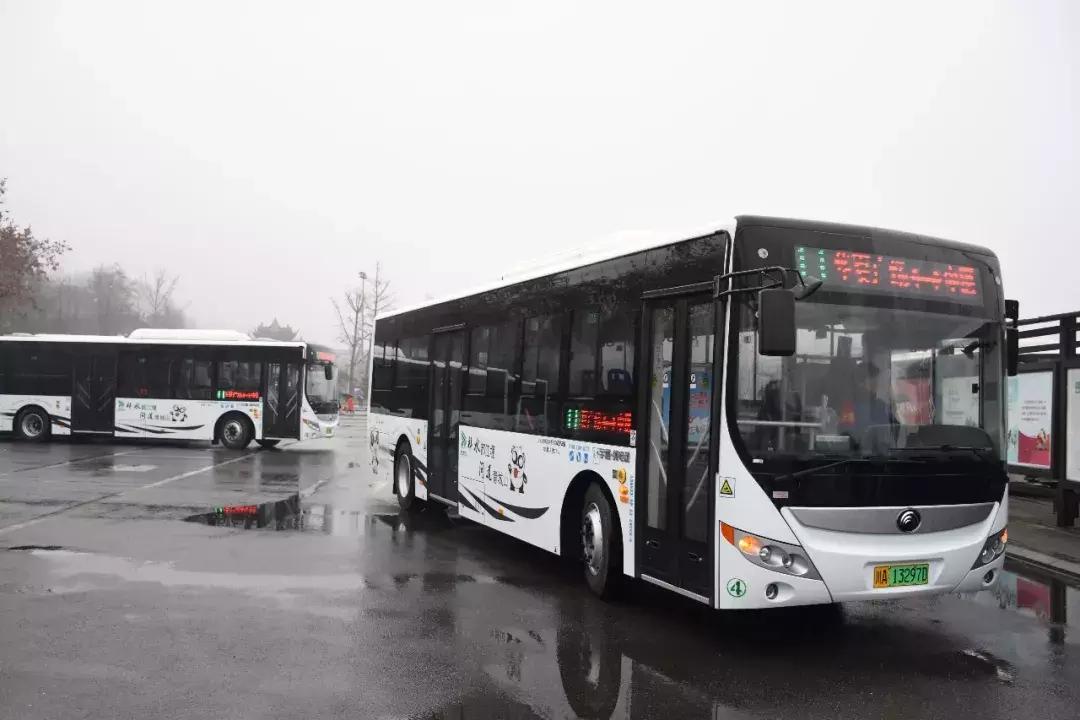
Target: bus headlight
column 992, row 549
column 771, row 554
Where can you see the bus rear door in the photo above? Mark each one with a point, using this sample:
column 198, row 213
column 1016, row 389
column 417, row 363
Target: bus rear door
column 93, row 396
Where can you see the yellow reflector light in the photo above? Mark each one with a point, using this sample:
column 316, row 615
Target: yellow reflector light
column 1005, row 536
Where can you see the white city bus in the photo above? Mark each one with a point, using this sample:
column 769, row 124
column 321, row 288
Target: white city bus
column 216, row 385
column 772, row 412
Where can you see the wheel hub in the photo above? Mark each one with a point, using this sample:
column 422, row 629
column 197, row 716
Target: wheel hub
column 404, row 469
column 232, row 430
column 32, row 426
column 592, row 539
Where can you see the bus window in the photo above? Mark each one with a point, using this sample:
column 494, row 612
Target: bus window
column 241, row 375
column 538, row 408
column 144, row 375
column 617, row 352
column 383, row 366
column 193, row 380
column 584, row 337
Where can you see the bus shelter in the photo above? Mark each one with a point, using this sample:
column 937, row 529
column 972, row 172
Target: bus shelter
column 1044, row 409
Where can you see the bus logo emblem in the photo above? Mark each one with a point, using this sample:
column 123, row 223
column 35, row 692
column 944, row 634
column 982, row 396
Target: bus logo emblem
column 909, row 520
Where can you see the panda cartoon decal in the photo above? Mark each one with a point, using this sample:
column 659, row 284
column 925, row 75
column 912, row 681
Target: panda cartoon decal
column 515, row 470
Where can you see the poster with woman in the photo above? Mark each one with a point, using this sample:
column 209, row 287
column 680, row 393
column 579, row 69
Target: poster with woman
column 1030, row 404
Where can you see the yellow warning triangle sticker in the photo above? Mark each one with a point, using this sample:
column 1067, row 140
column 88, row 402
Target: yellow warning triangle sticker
column 726, row 489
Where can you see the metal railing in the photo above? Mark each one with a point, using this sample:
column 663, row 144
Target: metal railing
column 1048, row 338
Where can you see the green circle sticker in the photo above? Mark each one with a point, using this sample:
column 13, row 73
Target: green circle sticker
column 736, row 588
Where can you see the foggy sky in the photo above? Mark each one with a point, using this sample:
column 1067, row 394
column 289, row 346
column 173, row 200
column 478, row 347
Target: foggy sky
column 267, row 153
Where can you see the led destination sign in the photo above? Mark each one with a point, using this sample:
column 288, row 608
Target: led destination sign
column 884, row 273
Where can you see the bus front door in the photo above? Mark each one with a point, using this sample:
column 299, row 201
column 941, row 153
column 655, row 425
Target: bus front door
column 93, row 397
column 281, row 401
column 448, row 364
column 675, row 531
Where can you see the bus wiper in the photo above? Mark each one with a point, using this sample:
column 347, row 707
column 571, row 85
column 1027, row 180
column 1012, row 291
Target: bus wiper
column 826, row 466
column 846, row 461
column 980, row 452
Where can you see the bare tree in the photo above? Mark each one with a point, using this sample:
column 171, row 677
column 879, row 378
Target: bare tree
column 155, row 296
column 352, row 325
column 356, row 322
column 380, row 300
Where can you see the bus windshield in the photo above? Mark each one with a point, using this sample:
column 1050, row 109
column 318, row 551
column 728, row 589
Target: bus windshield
column 321, row 391
column 871, row 381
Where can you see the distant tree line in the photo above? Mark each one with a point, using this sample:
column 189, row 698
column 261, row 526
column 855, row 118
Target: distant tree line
column 107, row 300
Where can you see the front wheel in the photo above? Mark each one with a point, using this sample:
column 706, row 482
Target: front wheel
column 236, row 432
column 32, row 425
column 601, row 545
column 405, row 481
column 267, row 444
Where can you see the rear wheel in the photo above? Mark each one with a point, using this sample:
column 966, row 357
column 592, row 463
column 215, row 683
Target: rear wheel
column 32, row 425
column 235, row 432
column 601, row 544
column 268, row 443
column 404, row 480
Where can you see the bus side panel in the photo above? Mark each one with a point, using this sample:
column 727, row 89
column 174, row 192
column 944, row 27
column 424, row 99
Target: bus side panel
column 384, row 432
column 519, row 482
column 179, row 419
column 58, row 407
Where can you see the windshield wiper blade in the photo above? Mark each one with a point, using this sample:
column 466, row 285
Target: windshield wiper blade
column 818, row 468
column 848, row 461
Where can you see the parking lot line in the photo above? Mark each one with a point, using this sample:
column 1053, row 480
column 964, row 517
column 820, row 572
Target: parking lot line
column 67, row 462
column 159, row 483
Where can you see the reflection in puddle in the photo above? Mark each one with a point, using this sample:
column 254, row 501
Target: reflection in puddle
column 1037, row 595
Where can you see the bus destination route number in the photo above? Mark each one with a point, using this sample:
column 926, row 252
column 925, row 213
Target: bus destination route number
column 884, row 273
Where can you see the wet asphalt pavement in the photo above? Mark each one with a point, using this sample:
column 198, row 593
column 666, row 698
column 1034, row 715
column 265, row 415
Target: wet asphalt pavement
column 111, row 606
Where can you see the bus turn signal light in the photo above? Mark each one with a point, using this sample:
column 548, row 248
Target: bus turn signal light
column 749, row 545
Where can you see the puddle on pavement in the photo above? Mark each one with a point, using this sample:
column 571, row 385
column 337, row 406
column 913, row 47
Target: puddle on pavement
column 1036, row 594
column 290, row 514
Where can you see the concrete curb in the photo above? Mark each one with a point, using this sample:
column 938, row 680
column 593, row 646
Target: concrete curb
column 1044, row 561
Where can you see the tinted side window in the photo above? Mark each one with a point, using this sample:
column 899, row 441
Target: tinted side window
column 37, row 369
column 241, row 375
column 491, row 394
column 145, row 374
column 410, row 395
column 193, row 379
column 382, row 372
column 617, row 352
column 479, row 344
column 538, row 406
column 584, row 337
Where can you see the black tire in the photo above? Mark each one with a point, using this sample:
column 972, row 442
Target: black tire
column 33, row 425
column 235, row 431
column 267, row 444
column 603, row 559
column 405, row 480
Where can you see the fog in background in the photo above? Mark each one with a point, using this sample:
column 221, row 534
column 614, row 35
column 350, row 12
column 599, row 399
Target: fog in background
column 266, row 153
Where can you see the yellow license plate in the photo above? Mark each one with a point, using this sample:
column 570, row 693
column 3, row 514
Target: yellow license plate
column 886, row 576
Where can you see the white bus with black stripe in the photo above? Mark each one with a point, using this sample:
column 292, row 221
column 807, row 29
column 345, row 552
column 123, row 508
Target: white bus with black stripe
column 767, row 412
column 216, row 385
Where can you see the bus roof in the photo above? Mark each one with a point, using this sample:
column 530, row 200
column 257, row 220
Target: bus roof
column 158, row 337
column 627, row 243
column 617, row 245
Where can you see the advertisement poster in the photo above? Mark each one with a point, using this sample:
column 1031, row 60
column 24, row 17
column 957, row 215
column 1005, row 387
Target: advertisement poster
column 912, row 400
column 959, row 405
column 1030, row 403
column 1072, row 426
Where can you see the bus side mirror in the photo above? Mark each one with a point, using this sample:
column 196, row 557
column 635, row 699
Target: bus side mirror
column 1012, row 337
column 328, row 372
column 776, row 322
